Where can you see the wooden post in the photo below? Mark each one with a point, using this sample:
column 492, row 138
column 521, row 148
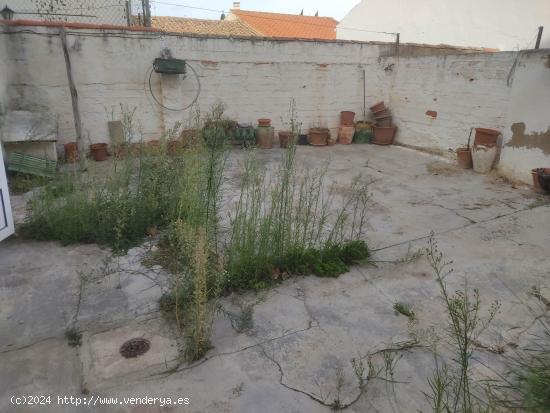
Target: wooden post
column 146, row 13
column 539, row 37
column 128, row 13
column 74, row 93
column 397, row 44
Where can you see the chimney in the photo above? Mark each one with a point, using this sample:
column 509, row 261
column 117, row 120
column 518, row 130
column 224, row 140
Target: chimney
column 236, row 5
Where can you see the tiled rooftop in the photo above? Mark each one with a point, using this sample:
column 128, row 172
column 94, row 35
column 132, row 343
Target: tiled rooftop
column 288, row 25
column 200, row 26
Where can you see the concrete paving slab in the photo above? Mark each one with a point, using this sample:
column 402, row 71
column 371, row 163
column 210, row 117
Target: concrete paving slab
column 104, row 366
column 307, row 329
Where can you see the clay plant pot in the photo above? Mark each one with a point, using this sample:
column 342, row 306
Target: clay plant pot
column 486, row 137
column 264, row 137
column 318, row 136
column 377, row 107
column 264, row 122
column 71, row 152
column 384, row 121
column 541, row 180
column 345, row 135
column 153, row 145
column 285, row 139
column 174, row 147
column 98, row 151
column 464, row 158
column 382, row 113
column 346, row 118
column 384, row 135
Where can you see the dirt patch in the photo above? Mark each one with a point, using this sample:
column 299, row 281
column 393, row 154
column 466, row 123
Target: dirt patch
column 443, row 168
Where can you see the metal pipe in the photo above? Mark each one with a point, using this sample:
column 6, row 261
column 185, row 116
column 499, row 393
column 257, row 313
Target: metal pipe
column 539, row 37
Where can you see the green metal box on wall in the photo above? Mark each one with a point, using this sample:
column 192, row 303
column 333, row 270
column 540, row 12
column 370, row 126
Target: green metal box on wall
column 169, row 66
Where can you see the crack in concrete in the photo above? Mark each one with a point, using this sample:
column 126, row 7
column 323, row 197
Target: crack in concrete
column 179, row 368
column 447, row 231
column 362, row 382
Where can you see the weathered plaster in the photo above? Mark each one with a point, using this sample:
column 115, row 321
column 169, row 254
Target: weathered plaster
column 435, row 99
column 534, row 140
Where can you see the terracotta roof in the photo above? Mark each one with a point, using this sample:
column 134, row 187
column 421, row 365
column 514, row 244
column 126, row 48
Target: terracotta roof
column 288, row 25
column 200, row 26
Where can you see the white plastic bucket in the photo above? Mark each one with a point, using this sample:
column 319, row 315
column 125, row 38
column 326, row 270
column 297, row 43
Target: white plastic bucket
column 483, row 158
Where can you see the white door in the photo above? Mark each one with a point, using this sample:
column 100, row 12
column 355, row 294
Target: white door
column 6, row 218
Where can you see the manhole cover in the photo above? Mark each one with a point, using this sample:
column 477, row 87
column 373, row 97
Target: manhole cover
column 134, row 347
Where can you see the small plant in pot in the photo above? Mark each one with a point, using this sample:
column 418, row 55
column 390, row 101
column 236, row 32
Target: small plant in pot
column 292, row 127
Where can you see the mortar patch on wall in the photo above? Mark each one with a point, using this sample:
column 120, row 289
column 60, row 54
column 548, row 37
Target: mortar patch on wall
column 535, row 140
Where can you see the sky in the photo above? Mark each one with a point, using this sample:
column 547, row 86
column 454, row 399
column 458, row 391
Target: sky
column 329, row 8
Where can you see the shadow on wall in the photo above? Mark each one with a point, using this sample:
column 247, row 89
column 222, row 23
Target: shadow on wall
column 535, row 140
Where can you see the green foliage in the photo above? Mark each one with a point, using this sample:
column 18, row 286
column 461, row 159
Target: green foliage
column 404, row 309
column 452, row 388
column 117, row 210
column 283, row 224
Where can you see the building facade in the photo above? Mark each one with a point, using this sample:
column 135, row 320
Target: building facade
column 500, row 24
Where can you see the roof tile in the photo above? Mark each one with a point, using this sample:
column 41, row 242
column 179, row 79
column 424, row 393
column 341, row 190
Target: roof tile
column 288, row 25
column 200, row 26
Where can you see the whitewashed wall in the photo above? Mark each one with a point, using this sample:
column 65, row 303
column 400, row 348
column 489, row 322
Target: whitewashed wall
column 527, row 124
column 435, row 99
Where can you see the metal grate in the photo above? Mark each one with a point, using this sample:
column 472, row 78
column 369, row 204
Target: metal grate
column 135, row 347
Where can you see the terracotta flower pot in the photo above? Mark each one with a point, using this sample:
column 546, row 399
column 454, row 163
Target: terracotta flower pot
column 384, row 121
column 377, row 107
column 486, row 137
column 541, row 180
column 384, row 135
column 285, row 139
column 174, row 147
column 264, row 137
column 264, row 122
column 345, row 135
column 318, row 136
column 71, row 152
column 382, row 113
column 99, row 151
column 346, row 118
column 464, row 158
column 153, row 145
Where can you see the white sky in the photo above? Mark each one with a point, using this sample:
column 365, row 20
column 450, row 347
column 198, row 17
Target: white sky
column 330, row 8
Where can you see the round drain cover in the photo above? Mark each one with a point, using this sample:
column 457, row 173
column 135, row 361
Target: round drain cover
column 134, row 347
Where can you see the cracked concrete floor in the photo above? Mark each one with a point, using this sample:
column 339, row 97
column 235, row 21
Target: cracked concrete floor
column 307, row 329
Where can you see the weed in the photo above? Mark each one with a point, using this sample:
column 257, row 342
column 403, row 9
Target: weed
column 197, row 334
column 238, row 390
column 404, row 309
column 244, row 320
column 452, row 388
column 22, row 183
column 284, row 225
column 74, row 337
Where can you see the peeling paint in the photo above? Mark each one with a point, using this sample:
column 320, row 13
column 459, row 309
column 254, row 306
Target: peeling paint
column 535, row 140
